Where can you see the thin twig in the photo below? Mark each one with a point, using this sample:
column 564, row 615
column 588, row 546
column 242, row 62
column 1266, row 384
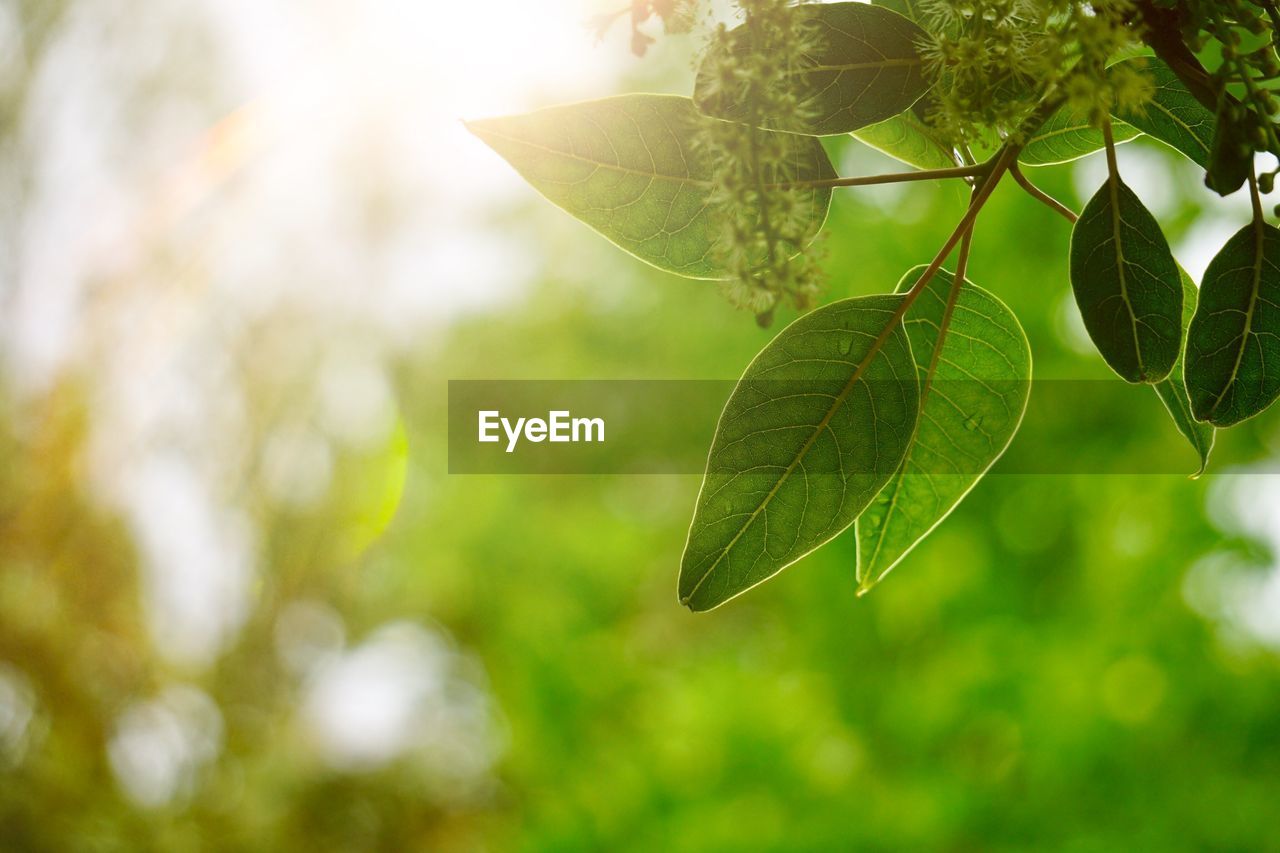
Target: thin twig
column 962, row 269
column 1042, row 196
column 992, row 171
column 891, row 178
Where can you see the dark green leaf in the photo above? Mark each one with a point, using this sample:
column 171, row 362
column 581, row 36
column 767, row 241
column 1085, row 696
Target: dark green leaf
column 1173, row 390
column 972, row 406
column 1068, row 135
column 628, row 167
column 814, row 429
column 863, row 68
column 1127, row 285
column 1173, row 116
column 1231, row 157
column 1233, row 345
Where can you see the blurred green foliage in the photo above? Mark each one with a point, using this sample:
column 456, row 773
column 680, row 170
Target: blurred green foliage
column 1031, row 677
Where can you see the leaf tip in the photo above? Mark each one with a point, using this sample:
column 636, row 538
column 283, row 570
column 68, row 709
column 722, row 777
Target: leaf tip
column 1204, row 463
column 477, row 127
column 686, row 600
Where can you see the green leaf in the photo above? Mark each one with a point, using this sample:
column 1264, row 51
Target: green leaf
column 1127, row 285
column 1173, row 390
column 1173, row 116
column 1067, row 136
column 1231, row 155
column 906, row 8
column 1233, row 345
column 862, row 68
column 629, row 167
column 816, row 426
column 972, row 406
column 909, row 138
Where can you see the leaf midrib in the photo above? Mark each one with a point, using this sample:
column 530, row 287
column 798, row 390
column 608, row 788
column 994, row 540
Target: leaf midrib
column 1063, row 131
column 925, row 385
column 1169, row 112
column 1260, row 234
column 864, row 66
column 617, row 167
column 804, row 449
column 1116, row 222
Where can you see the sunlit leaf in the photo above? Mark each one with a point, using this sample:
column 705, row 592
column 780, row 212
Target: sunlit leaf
column 1173, row 390
column 909, row 138
column 972, row 406
column 1173, row 116
column 862, row 69
column 371, row 494
column 1068, row 135
column 907, row 8
column 814, row 429
column 628, row 167
column 1233, row 345
column 1127, row 285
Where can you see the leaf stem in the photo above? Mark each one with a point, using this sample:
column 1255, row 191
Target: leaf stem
column 866, row 584
column 1112, row 166
column 991, row 173
column 977, row 171
column 1259, row 216
column 1246, row 77
column 1005, row 160
column 1001, row 163
column 1042, row 196
column 962, row 269
column 1162, row 32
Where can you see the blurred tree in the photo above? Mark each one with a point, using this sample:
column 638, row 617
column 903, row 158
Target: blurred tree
column 502, row 664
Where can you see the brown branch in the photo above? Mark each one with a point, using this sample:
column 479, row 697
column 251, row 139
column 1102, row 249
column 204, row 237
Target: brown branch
column 1162, row 31
column 891, row 178
column 1042, row 196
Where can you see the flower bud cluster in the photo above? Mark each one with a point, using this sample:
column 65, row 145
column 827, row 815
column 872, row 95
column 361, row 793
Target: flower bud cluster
column 994, row 61
column 766, row 223
column 1247, row 37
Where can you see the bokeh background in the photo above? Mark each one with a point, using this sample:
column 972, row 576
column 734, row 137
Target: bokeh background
column 243, row 606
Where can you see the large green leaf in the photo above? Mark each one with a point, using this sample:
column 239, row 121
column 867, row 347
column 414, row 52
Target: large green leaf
column 1127, row 285
column 909, row 138
column 907, row 8
column 1173, row 115
column 816, row 426
column 971, row 408
column 862, row 68
column 1068, row 135
column 629, row 167
column 1233, row 345
column 1173, row 390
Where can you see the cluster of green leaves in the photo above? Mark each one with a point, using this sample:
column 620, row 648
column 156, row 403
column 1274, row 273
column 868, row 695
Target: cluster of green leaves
column 878, row 414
